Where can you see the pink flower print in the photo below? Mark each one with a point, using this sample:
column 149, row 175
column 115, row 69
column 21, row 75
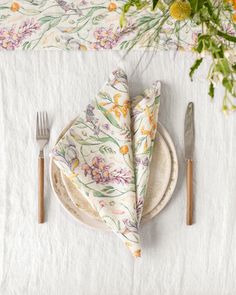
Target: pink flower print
column 121, row 176
column 86, row 168
column 118, row 212
column 229, row 29
column 194, row 38
column 102, row 203
column 106, row 38
column 11, row 38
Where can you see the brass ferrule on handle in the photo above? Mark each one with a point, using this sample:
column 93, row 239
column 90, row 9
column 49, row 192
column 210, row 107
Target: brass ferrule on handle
column 41, row 189
column 189, row 209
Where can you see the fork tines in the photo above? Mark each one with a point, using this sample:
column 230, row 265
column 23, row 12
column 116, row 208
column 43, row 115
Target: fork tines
column 42, row 130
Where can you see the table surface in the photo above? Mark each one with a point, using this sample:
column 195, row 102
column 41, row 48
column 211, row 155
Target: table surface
column 64, row 257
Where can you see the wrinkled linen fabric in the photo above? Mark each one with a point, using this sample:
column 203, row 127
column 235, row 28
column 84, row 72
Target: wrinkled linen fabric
column 64, row 257
column 107, row 151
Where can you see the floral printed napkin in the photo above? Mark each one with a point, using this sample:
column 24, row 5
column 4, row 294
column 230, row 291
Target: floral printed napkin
column 107, row 151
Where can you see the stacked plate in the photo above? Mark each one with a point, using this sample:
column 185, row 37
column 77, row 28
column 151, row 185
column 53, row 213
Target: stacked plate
column 161, row 185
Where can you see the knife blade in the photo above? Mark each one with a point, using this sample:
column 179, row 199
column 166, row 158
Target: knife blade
column 189, row 147
column 189, row 131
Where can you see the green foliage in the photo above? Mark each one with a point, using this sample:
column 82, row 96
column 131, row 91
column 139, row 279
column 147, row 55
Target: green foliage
column 106, row 150
column 154, row 4
column 211, row 90
column 194, row 67
column 138, row 4
column 214, row 41
column 196, row 5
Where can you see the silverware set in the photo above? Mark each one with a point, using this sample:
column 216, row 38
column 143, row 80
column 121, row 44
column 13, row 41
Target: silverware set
column 43, row 135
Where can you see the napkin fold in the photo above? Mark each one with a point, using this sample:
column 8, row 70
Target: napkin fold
column 107, row 151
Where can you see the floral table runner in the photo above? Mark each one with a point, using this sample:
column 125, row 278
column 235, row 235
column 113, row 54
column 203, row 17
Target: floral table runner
column 84, row 25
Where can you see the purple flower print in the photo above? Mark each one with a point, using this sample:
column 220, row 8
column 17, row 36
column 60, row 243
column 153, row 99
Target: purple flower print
column 67, row 6
column 132, row 226
column 139, row 161
column 101, row 172
column 89, row 112
column 64, row 5
column 90, row 117
column 229, row 29
column 145, row 162
column 139, row 206
column 11, row 38
column 98, row 171
column 107, row 38
column 106, row 126
column 120, row 176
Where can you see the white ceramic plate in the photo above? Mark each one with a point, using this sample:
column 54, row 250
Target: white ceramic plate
column 162, row 182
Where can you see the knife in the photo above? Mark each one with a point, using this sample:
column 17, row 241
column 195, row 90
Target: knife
column 189, row 146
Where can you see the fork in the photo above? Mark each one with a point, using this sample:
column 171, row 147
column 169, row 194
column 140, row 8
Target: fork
column 42, row 137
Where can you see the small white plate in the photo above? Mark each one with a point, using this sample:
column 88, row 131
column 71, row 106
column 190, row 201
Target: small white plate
column 162, row 182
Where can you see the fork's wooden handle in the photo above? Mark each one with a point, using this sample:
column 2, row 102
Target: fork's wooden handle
column 189, row 213
column 41, row 191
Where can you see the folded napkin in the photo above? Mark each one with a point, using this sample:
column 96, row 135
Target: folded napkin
column 107, row 151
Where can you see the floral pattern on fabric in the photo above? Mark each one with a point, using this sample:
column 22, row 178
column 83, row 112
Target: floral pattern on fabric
column 99, row 153
column 144, row 121
column 82, row 25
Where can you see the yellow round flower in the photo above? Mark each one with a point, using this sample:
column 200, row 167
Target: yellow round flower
column 124, row 149
column 180, row 10
column 15, row 6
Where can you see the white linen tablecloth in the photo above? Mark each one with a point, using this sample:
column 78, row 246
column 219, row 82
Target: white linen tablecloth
column 63, row 256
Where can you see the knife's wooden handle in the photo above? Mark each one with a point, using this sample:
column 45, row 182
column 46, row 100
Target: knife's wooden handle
column 41, row 191
column 189, row 213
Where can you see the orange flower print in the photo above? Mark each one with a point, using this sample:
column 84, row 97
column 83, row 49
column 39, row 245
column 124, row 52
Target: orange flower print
column 117, row 108
column 112, row 6
column 153, row 125
column 234, row 4
column 15, row 6
column 124, row 149
column 234, row 17
column 137, row 253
